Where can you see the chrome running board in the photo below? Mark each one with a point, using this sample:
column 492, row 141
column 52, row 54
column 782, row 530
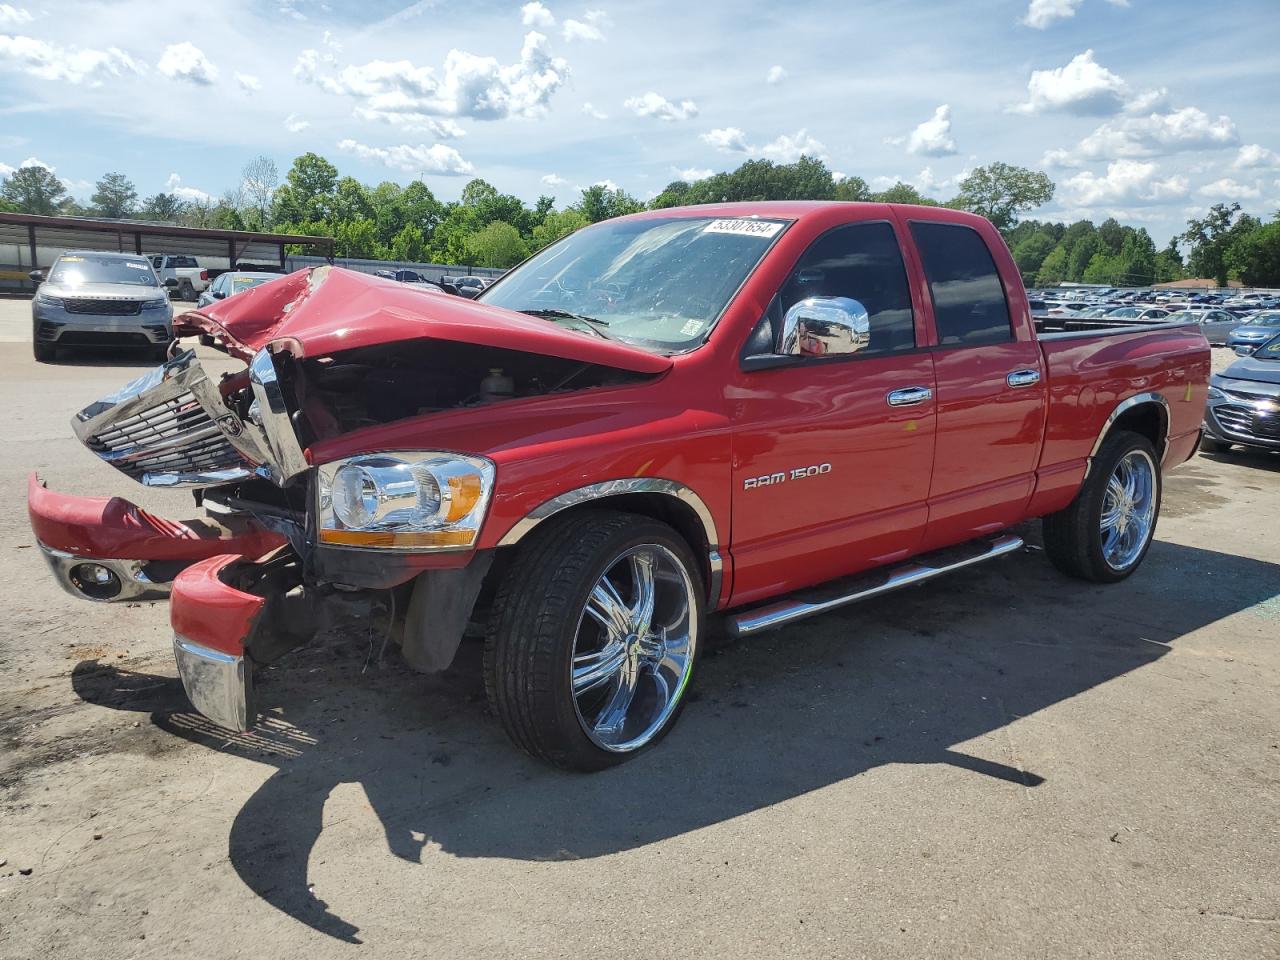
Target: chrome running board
column 817, row 600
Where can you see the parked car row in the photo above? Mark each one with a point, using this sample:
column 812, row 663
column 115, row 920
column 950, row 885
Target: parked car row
column 1224, row 319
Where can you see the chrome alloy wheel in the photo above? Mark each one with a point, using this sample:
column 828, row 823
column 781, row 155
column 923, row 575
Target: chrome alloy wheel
column 632, row 657
column 1128, row 510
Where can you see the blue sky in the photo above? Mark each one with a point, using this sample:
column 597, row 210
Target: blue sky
column 1148, row 110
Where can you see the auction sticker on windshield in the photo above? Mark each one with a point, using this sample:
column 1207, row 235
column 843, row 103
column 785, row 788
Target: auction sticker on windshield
column 745, row 228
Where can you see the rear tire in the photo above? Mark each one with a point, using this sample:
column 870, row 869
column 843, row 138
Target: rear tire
column 187, row 291
column 577, row 671
column 1104, row 534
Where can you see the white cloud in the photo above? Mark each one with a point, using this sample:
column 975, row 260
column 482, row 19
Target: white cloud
column 295, row 124
column 1126, row 181
column 608, row 185
column 536, row 15
column 438, row 158
column 76, row 65
column 553, row 179
column 248, row 82
column 1254, row 156
column 332, row 42
column 776, row 74
column 174, row 185
column 1042, row 13
column 37, row 162
column 789, row 149
column 727, row 140
column 590, row 27
column 593, row 112
column 1154, row 135
column 467, row 86
column 1083, row 87
column 933, row 137
column 655, row 105
column 1229, row 189
column 11, row 16
column 692, row 174
column 186, row 61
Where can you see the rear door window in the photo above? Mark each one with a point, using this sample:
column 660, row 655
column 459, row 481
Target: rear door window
column 969, row 305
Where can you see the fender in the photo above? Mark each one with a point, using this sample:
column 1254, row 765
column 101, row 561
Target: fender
column 1121, row 408
column 626, row 485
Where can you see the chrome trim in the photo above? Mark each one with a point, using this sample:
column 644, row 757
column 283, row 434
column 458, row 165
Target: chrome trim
column 218, row 685
column 613, row 488
column 1023, row 378
column 715, row 565
column 132, row 575
column 825, row 327
column 151, row 420
column 1121, row 407
column 908, row 396
column 779, row 614
column 276, row 428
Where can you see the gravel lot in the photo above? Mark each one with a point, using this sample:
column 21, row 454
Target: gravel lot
column 1003, row 764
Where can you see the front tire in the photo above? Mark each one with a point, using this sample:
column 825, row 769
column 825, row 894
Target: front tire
column 44, row 352
column 1105, row 533
column 593, row 637
column 187, row 291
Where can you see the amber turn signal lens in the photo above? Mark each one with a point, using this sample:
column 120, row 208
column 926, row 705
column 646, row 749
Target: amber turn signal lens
column 464, row 494
column 387, row 538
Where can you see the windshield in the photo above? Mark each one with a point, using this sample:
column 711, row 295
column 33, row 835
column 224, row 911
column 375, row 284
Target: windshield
column 77, row 270
column 1264, row 319
column 244, row 283
column 1124, row 313
column 658, row 283
column 1269, row 350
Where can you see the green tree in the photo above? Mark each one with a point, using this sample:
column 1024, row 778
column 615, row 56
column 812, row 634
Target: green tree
column 675, row 194
column 556, row 224
column 497, row 245
column 1255, row 256
column 1111, row 235
column 852, row 188
column 1054, row 268
column 115, row 196
column 1169, row 264
column 903, row 193
column 1030, row 253
column 163, row 206
column 1210, row 236
column 421, row 208
column 601, row 203
column 33, row 189
column 1002, row 192
column 357, row 238
column 307, row 191
column 349, row 201
column 408, row 244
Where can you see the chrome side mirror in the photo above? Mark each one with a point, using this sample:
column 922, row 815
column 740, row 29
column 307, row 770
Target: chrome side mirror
column 824, row 327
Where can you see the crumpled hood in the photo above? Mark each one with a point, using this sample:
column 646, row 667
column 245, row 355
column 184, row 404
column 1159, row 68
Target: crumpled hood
column 324, row 310
column 1259, row 371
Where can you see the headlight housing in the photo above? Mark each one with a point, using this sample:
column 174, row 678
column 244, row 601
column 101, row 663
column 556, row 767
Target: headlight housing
column 416, row 501
column 1215, row 393
column 49, row 300
column 156, row 305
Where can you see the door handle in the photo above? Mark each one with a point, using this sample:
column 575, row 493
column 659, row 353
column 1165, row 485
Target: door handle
column 1023, row 378
column 908, row 396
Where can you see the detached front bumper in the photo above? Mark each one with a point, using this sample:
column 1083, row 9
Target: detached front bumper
column 107, row 549
column 212, row 625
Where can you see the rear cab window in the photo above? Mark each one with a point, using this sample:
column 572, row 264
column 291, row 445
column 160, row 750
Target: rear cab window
column 969, row 303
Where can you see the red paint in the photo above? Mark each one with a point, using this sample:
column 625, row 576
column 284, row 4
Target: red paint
column 208, row 611
column 115, row 529
column 978, row 457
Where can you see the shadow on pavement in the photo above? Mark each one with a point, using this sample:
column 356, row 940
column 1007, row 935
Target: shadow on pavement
column 902, row 679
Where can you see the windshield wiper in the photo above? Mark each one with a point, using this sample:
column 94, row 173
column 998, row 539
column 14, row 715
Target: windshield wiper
column 591, row 324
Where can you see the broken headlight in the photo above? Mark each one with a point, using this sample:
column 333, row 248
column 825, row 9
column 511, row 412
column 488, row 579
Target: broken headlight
column 403, row 501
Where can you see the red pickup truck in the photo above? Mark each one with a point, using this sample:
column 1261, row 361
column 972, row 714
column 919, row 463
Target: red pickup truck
column 765, row 410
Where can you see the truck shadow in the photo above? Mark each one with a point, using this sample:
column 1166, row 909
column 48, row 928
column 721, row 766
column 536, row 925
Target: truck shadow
column 904, row 679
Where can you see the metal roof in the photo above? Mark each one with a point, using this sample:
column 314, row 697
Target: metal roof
column 86, row 233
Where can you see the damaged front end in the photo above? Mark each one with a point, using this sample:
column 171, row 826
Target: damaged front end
column 289, row 547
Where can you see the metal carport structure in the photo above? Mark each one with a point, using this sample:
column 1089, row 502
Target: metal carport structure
column 28, row 242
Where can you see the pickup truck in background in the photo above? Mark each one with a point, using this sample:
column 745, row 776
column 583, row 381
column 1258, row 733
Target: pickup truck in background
column 758, row 410
column 182, row 275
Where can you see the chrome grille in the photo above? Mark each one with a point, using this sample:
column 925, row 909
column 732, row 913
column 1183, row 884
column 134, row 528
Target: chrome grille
column 1247, row 422
column 105, row 308
column 170, row 428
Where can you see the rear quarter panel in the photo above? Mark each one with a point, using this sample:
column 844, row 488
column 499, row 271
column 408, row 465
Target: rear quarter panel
column 1090, row 375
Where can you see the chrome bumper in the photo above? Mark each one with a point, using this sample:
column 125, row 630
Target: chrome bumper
column 219, row 685
column 103, row 581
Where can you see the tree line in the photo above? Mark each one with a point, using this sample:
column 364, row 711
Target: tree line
column 487, row 228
